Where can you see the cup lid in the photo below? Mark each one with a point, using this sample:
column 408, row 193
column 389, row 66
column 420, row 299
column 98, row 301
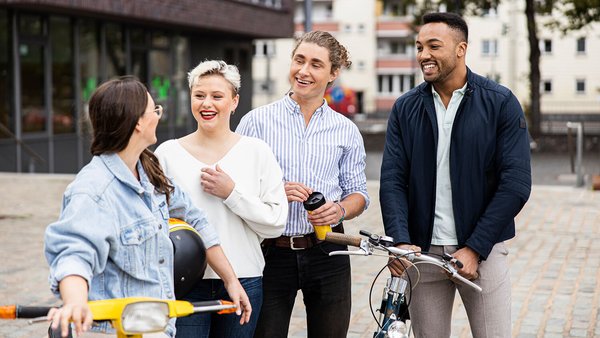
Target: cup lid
column 314, row 201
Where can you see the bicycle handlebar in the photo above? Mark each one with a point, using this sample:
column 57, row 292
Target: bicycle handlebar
column 359, row 242
column 343, row 239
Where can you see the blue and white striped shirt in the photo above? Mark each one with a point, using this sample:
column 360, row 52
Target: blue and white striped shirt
column 328, row 155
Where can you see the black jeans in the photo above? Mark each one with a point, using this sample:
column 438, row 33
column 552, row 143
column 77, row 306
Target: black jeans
column 325, row 285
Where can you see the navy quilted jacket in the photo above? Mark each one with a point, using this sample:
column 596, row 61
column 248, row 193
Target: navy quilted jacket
column 490, row 169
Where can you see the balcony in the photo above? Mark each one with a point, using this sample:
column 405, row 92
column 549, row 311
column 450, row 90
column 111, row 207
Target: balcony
column 327, row 26
column 394, row 28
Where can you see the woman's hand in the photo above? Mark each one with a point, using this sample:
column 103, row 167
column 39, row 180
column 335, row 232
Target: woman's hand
column 216, row 182
column 74, row 293
column 78, row 313
column 240, row 299
column 219, row 263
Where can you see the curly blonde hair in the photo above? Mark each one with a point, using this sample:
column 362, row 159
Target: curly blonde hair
column 338, row 54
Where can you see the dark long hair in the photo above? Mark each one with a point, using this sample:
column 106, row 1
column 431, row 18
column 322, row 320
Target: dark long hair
column 115, row 108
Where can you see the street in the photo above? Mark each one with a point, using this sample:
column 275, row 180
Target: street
column 555, row 265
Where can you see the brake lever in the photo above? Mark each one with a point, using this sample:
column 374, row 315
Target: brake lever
column 358, row 252
column 365, row 249
column 449, row 258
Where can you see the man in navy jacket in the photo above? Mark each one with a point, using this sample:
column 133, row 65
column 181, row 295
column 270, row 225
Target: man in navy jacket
column 455, row 172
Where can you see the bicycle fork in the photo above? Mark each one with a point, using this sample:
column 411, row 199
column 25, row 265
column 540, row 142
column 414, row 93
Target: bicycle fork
column 393, row 310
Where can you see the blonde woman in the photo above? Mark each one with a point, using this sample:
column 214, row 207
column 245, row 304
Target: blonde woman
column 237, row 180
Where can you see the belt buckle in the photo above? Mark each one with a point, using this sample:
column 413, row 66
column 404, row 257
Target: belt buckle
column 292, row 243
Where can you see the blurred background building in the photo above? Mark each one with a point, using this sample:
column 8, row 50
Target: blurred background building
column 380, row 37
column 54, row 53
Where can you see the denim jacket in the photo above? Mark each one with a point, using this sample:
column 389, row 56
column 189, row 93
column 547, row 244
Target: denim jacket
column 113, row 231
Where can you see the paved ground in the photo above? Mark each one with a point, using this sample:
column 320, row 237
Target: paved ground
column 555, row 263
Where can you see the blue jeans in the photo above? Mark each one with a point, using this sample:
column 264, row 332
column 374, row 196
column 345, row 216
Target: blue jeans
column 325, row 285
column 206, row 325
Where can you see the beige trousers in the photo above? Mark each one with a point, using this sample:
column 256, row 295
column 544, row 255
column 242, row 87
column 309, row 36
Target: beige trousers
column 432, row 299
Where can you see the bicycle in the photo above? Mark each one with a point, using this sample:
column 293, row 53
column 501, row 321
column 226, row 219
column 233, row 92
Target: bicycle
column 394, row 303
column 131, row 317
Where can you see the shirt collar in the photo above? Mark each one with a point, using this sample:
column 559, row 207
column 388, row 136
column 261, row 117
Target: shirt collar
column 293, row 106
column 117, row 167
column 458, row 91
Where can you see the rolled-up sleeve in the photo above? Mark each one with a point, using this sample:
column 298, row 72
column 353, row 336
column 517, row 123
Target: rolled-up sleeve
column 75, row 244
column 352, row 168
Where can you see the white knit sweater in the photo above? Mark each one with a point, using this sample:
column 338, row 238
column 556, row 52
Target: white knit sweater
column 256, row 209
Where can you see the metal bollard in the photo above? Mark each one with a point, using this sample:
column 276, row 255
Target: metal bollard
column 578, row 165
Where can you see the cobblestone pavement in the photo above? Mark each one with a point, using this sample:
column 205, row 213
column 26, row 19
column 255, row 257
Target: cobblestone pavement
column 554, row 264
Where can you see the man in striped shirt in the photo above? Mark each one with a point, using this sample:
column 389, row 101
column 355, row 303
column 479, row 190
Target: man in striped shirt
column 318, row 150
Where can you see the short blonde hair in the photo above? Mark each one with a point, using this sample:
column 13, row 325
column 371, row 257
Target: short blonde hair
column 216, row 67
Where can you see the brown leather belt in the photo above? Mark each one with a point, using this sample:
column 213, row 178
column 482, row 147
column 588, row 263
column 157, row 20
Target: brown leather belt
column 299, row 242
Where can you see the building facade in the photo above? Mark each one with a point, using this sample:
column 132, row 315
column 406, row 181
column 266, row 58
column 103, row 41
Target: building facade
column 380, row 36
column 54, row 53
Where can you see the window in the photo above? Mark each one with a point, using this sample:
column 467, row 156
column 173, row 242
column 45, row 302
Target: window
column 268, row 3
column 546, row 46
column 547, row 86
column 581, row 46
column 394, row 47
column 5, row 117
column 63, row 119
column 394, row 84
column 397, row 47
column 580, row 86
column 329, row 11
column 397, row 8
column 264, row 48
column 264, row 86
column 115, row 50
column 361, row 27
column 489, row 47
column 347, row 28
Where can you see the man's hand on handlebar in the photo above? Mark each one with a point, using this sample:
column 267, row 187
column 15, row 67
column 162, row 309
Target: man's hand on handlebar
column 398, row 265
column 470, row 261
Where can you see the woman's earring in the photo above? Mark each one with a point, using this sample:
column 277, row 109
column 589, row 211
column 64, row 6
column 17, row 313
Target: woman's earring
column 232, row 112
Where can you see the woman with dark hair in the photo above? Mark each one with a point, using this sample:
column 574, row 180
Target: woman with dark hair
column 112, row 237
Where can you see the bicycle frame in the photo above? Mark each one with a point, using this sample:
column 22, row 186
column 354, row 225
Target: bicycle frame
column 131, row 317
column 393, row 306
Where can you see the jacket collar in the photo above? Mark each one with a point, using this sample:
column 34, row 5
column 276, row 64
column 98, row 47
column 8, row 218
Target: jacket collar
column 426, row 91
column 118, row 168
column 425, row 87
